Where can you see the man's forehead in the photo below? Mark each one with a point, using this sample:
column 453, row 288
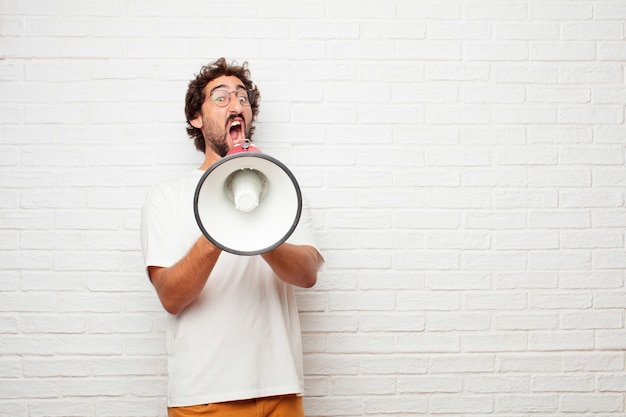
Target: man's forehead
column 228, row 81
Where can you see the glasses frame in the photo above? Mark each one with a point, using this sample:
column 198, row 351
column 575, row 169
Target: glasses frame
column 249, row 96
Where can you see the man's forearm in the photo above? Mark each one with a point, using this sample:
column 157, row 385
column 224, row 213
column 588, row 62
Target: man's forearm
column 296, row 265
column 179, row 285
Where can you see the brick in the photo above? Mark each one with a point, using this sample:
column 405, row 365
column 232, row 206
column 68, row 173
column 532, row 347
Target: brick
column 398, row 405
column 536, row 403
column 477, row 404
column 367, row 385
column 498, row 384
column 594, row 403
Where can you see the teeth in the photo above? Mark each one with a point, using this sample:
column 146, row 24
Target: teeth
column 236, row 123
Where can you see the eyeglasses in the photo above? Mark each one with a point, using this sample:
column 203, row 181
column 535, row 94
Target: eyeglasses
column 221, row 97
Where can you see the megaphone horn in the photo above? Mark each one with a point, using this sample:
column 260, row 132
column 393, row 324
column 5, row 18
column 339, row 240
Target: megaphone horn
column 247, row 203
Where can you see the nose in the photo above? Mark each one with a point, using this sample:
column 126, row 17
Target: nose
column 234, row 105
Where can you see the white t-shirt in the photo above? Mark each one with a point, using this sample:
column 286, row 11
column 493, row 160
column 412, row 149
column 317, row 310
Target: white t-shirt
column 241, row 337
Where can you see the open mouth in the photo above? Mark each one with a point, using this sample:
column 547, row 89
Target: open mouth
column 236, row 130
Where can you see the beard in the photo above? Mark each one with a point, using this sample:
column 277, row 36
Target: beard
column 220, row 147
column 215, row 138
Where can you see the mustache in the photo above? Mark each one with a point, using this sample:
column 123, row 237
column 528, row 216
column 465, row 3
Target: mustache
column 234, row 116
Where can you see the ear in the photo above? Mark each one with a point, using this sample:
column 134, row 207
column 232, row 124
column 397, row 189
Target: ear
column 197, row 121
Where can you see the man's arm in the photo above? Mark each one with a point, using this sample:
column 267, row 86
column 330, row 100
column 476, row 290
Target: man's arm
column 295, row 264
column 179, row 285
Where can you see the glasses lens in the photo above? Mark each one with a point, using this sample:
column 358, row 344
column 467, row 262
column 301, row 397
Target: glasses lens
column 220, row 97
column 242, row 96
column 249, row 97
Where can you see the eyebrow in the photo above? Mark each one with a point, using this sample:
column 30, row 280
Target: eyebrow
column 217, row 87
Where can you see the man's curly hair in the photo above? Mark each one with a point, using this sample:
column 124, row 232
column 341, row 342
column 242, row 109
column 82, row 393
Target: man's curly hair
column 195, row 94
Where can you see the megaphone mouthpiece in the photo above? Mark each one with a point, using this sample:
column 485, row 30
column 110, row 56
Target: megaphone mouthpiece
column 246, row 187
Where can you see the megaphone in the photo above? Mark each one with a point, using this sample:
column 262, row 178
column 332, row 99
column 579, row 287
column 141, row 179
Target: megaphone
column 247, row 203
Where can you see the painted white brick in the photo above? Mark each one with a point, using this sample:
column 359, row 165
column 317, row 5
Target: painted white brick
column 390, row 280
column 11, row 368
column 393, row 364
column 607, row 259
column 561, row 260
column 402, row 322
column 466, row 363
column 562, row 51
column 148, row 387
column 611, row 51
column 458, row 158
column 592, row 31
column 609, row 299
column 111, row 407
column 398, row 405
column 457, row 322
column 401, row 30
column 527, row 31
column 561, row 134
column 429, row 9
column 429, row 50
column 496, row 51
column 592, row 361
column 356, row 301
column 429, row 384
column 366, row 385
column 330, row 30
column 425, row 260
column 531, row 362
column 598, row 115
column 535, row 403
column 559, row 219
column 489, row 260
column 535, row 279
column 612, row 383
column 112, row 366
column 341, row 343
column 369, row 9
column 527, row 199
column 562, row 383
column 589, row 199
column 517, row 240
column 594, row 403
column 523, row 321
column 559, row 95
column 561, row 10
column 585, row 74
column 454, row 404
column 388, row 240
column 595, row 320
column 494, row 342
column 342, row 406
column 442, row 71
column 50, row 324
column 428, row 301
column 317, row 323
column 430, row 342
column 9, row 324
column 498, row 384
column 457, row 281
column 560, row 341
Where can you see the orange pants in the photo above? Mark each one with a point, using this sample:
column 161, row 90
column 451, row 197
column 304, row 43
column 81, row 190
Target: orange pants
column 279, row 406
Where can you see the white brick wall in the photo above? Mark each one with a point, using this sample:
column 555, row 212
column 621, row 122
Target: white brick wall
column 466, row 164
